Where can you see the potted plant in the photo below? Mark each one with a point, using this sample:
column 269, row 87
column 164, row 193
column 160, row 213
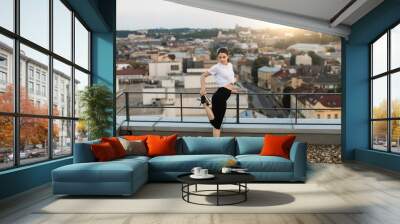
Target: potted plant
column 96, row 102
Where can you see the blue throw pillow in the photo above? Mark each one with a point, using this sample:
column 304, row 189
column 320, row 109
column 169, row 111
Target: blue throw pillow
column 249, row 145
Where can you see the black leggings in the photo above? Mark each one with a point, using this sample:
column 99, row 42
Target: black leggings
column 218, row 102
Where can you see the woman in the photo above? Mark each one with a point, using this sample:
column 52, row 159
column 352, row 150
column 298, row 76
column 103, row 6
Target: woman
column 225, row 79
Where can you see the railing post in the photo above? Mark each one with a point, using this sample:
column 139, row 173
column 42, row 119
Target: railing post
column 295, row 117
column 237, row 108
column 180, row 95
column 127, row 106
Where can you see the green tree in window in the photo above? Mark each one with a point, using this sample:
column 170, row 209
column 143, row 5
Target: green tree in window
column 97, row 104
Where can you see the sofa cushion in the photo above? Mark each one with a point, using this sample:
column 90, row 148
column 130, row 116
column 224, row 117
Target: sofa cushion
column 133, row 157
column 116, row 145
column 135, row 137
column 257, row 163
column 277, row 145
column 185, row 163
column 111, row 171
column 208, row 145
column 249, row 145
column 161, row 145
column 134, row 147
column 103, row 151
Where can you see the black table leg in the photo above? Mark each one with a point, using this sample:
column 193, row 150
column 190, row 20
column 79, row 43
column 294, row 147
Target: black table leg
column 188, row 190
column 217, row 194
column 245, row 193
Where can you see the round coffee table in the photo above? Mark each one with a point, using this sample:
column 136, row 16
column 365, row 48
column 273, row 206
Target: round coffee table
column 238, row 179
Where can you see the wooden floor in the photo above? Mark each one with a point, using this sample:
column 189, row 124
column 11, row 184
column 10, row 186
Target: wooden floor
column 377, row 188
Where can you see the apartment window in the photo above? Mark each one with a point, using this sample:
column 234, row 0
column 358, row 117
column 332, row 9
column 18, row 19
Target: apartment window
column 385, row 97
column 38, row 89
column 3, row 61
column 43, row 90
column 30, row 73
column 3, row 78
column 174, row 67
column 30, row 88
column 55, row 127
column 37, row 74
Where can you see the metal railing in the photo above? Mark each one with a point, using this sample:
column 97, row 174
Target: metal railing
column 293, row 112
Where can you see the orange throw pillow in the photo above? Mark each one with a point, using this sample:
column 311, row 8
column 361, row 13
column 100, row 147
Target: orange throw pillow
column 116, row 145
column 161, row 145
column 277, row 145
column 103, row 151
column 135, row 137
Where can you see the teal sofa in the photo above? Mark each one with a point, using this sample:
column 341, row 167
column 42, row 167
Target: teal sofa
column 125, row 176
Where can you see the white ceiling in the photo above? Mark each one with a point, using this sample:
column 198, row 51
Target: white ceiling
column 315, row 15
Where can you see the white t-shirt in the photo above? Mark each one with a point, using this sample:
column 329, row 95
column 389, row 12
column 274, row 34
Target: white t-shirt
column 223, row 74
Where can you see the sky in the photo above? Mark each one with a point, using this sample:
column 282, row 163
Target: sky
column 163, row 14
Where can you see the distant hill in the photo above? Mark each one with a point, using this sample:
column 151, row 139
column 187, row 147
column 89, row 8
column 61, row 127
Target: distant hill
column 179, row 33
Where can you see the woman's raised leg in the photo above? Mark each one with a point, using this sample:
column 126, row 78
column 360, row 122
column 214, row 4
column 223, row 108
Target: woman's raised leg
column 209, row 112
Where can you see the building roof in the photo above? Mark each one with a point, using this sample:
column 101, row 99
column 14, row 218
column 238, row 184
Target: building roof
column 132, row 71
column 269, row 69
column 328, row 79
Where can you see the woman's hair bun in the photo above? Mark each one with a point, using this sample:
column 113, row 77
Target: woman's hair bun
column 222, row 50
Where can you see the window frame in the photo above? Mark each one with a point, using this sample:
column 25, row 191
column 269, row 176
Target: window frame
column 388, row 74
column 16, row 113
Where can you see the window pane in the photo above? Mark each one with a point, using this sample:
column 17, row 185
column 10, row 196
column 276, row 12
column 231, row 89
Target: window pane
column 34, row 81
column 62, row 137
column 395, row 94
column 81, row 45
column 379, row 97
column 6, row 74
column 379, row 135
column 62, row 29
column 81, row 132
column 395, row 136
column 379, row 55
column 62, row 89
column 33, row 139
column 7, row 14
column 81, row 81
column 6, row 142
column 395, row 47
column 35, row 21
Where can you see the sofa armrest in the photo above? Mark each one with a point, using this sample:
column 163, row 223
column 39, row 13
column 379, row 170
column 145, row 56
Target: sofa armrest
column 83, row 152
column 298, row 155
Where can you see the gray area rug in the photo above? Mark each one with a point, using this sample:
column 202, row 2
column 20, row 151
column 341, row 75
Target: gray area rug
column 166, row 198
